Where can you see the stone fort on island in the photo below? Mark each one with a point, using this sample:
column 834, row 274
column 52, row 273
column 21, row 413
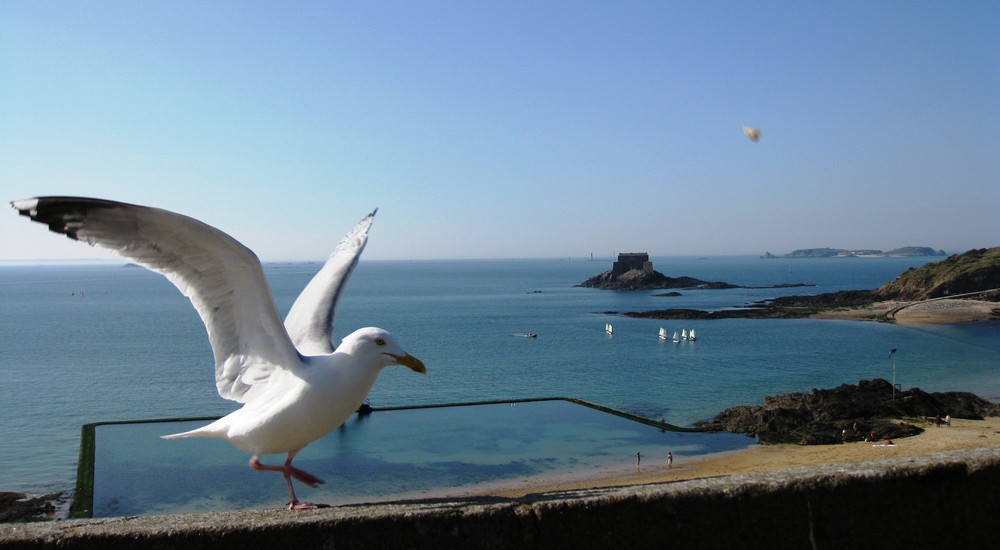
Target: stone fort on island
column 627, row 261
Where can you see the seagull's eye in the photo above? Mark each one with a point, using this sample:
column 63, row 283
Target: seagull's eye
column 380, row 341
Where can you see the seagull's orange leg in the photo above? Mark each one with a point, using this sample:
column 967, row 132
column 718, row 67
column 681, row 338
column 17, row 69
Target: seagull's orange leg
column 289, row 471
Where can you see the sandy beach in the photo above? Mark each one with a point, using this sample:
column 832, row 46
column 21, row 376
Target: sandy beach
column 962, row 434
column 918, row 313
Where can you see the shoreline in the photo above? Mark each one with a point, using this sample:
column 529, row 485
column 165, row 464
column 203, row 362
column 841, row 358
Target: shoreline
column 940, row 311
column 923, row 312
column 962, row 434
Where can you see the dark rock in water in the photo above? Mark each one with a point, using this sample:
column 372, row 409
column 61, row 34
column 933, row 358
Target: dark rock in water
column 847, row 413
column 638, row 279
column 18, row 507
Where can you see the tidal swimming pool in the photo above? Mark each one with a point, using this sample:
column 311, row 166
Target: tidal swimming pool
column 387, row 454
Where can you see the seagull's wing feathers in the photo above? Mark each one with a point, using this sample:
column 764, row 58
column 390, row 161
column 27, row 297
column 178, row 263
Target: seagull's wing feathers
column 310, row 321
column 223, row 278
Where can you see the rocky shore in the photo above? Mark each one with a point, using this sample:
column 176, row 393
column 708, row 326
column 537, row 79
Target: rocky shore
column 848, row 413
column 19, row 507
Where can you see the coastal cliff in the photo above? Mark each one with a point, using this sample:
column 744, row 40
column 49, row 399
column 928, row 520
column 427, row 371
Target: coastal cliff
column 974, row 271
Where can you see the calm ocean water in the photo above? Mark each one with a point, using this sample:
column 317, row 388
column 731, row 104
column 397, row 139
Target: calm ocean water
column 99, row 343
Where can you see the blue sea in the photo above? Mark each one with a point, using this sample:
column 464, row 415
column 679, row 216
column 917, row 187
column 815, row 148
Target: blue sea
column 89, row 343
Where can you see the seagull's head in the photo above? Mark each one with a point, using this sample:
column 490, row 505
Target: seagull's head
column 378, row 346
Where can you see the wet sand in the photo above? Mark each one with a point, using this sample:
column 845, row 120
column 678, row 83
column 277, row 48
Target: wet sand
column 962, row 434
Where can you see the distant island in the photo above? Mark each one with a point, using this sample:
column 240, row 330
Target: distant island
column 962, row 287
column 863, row 253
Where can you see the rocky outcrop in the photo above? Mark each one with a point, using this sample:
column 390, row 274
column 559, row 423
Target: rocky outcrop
column 847, row 413
column 18, row 507
column 638, row 279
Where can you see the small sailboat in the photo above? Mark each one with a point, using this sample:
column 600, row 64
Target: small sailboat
column 663, row 333
column 676, row 337
column 684, row 334
column 691, row 336
column 608, row 328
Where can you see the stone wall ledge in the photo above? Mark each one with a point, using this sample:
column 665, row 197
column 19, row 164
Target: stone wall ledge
column 946, row 500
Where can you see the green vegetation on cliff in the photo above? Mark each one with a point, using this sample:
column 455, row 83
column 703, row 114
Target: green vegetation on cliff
column 973, row 271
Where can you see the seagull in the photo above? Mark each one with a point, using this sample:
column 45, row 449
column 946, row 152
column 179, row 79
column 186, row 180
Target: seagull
column 752, row 133
column 294, row 385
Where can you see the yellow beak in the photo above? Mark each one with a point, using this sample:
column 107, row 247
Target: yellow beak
column 410, row 362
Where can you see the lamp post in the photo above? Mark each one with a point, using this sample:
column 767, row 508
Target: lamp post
column 892, row 355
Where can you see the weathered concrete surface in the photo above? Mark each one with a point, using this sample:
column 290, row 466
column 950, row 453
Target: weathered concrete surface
column 946, row 500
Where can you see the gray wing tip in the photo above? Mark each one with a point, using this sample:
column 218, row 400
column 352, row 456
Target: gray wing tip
column 372, row 215
column 61, row 214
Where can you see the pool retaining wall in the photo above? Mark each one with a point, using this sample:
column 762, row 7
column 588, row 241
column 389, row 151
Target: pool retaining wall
column 945, row 500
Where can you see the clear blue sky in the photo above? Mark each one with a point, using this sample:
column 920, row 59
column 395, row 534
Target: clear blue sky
column 511, row 129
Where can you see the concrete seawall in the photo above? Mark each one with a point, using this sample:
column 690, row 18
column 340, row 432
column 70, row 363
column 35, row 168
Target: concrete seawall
column 945, row 500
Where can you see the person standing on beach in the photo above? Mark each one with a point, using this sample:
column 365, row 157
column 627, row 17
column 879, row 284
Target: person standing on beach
column 670, row 460
column 638, row 459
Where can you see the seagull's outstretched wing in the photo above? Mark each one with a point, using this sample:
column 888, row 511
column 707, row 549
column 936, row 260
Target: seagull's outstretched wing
column 223, row 278
column 310, row 321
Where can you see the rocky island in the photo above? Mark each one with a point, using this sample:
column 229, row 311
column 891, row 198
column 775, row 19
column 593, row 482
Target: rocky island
column 634, row 271
column 963, row 287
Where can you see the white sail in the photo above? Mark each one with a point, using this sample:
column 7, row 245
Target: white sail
column 684, row 334
column 691, row 336
column 608, row 328
column 663, row 333
column 676, row 338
